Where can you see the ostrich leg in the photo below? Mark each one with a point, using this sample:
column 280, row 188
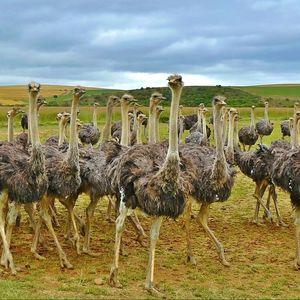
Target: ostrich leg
column 187, row 217
column 6, row 252
column 297, row 224
column 133, row 218
column 203, row 220
column 110, row 207
column 274, row 197
column 258, row 194
column 154, row 234
column 113, row 277
column 45, row 216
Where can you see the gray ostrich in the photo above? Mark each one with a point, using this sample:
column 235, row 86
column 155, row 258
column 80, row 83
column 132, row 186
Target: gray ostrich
column 89, row 134
column 22, row 178
column 285, row 174
column 63, row 174
column 150, row 177
column 212, row 179
column 264, row 127
column 247, row 134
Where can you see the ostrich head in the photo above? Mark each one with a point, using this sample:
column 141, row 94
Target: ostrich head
column 175, row 81
column 201, row 105
column 96, row 104
column 64, row 117
column 204, row 111
column 113, row 100
column 219, row 101
column 34, row 88
column 127, row 100
column 266, row 104
column 159, row 109
column 297, row 116
column 253, row 107
column 141, row 118
column 78, row 91
column 14, row 112
column 41, row 101
column 156, row 98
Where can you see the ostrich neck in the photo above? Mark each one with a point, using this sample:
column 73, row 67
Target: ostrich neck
column 138, row 134
column 10, row 128
column 199, row 120
column 95, row 116
column 219, row 134
column 204, row 131
column 157, row 138
column 230, row 134
column 135, row 124
column 252, row 124
column 266, row 113
column 73, row 154
column 61, row 135
column 125, row 125
column 294, row 140
column 180, row 130
column 152, row 121
column 236, row 133
column 106, row 130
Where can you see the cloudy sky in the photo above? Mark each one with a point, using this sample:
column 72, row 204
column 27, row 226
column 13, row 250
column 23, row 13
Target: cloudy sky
column 128, row 44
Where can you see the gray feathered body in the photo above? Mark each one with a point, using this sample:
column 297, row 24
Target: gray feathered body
column 189, row 121
column 248, row 135
column 280, row 144
column 264, row 127
column 211, row 180
column 255, row 164
column 89, row 134
column 24, row 177
column 196, row 138
column 285, row 128
column 24, row 122
column 286, row 174
column 145, row 184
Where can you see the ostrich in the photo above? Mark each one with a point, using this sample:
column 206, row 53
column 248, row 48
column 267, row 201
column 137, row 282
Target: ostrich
column 10, row 117
column 63, row 172
column 150, row 177
column 212, row 179
column 22, row 178
column 229, row 151
column 264, row 126
column 285, row 174
column 155, row 99
column 247, row 134
column 198, row 126
column 89, row 134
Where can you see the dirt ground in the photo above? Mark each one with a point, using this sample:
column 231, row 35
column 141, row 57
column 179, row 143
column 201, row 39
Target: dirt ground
column 261, row 257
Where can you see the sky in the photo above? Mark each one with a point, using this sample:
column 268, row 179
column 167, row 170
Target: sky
column 131, row 44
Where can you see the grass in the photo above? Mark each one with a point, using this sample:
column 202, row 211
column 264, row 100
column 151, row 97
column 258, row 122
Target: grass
column 261, row 257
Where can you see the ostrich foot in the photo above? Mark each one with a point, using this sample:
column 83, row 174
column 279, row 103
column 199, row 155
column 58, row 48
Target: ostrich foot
column 113, row 278
column 90, row 253
column 140, row 238
column 191, row 259
column 297, row 265
column 76, row 244
column 153, row 291
column 7, row 262
column 281, row 223
column 225, row 263
column 257, row 223
column 38, row 256
column 64, row 263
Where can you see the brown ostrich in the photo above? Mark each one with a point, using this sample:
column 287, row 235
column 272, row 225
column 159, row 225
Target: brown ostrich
column 63, row 174
column 150, row 178
column 22, row 178
column 264, row 127
column 247, row 134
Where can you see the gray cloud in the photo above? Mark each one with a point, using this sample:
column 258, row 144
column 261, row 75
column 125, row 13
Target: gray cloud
column 123, row 42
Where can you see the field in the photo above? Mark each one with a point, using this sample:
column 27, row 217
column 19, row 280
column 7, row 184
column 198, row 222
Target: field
column 261, row 257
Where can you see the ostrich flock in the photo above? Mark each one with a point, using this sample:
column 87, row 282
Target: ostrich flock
column 161, row 178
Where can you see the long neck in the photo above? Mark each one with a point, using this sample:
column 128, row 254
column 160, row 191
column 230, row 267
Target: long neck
column 157, row 138
column 266, row 113
column 230, row 135
column 294, row 142
column 106, row 129
column 224, row 125
column 236, row 132
column 135, row 124
column 204, row 131
column 125, row 125
column 73, row 154
column 10, row 128
column 152, row 120
column 139, row 133
column 218, row 134
column 95, row 116
column 180, row 130
column 173, row 129
column 252, row 124
column 199, row 119
column 61, row 135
